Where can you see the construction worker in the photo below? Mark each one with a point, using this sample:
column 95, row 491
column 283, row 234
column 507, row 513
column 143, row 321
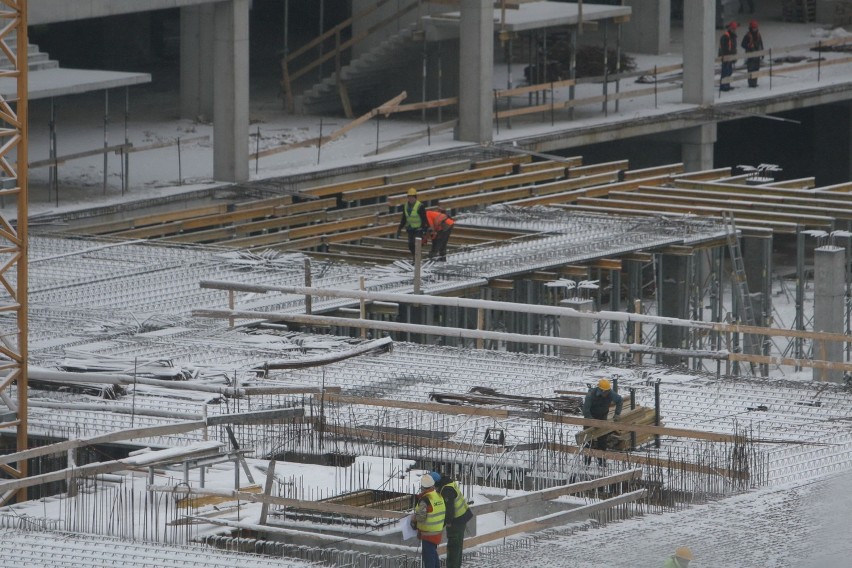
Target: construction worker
column 680, row 559
column 728, row 46
column 440, row 227
column 458, row 514
column 596, row 405
column 413, row 219
column 428, row 519
column 752, row 41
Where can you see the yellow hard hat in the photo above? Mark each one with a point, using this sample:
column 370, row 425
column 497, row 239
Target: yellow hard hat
column 684, row 553
column 412, row 191
column 604, row 385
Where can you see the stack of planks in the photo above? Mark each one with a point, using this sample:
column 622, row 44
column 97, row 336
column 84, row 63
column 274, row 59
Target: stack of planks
column 620, row 440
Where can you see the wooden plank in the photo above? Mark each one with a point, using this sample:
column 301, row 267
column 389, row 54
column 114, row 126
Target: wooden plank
column 152, row 219
column 776, row 226
column 573, row 162
column 800, row 183
column 430, row 171
column 670, row 169
column 340, row 187
column 515, row 159
column 811, row 206
column 615, row 166
column 395, row 193
column 806, row 220
column 554, row 492
column 591, row 191
column 292, row 208
column 486, row 198
column 704, row 174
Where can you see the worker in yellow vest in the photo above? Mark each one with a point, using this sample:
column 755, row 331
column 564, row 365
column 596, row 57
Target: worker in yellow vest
column 458, row 514
column 429, row 521
column 413, row 219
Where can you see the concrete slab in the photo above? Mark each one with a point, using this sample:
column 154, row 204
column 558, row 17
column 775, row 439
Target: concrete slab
column 57, row 82
column 534, row 16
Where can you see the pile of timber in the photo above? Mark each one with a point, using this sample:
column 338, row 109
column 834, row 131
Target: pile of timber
column 620, row 440
column 484, row 396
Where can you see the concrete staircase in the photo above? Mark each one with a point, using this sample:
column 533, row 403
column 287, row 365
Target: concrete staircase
column 371, row 79
column 37, row 60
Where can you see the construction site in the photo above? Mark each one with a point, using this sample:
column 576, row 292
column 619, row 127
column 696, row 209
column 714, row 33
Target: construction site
column 255, row 371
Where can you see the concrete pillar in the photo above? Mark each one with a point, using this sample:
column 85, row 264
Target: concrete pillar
column 231, row 98
column 649, row 28
column 699, row 51
column 697, row 147
column 477, row 69
column 577, row 328
column 196, row 65
column 829, row 307
column 757, row 259
column 674, row 303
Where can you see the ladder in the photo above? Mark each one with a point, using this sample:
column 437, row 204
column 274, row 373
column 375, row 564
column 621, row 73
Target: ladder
column 740, row 285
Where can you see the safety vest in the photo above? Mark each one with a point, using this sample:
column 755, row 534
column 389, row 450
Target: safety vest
column 439, row 221
column 412, row 215
column 435, row 518
column 460, row 503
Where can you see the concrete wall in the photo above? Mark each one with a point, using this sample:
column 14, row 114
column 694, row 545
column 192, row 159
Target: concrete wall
column 51, row 11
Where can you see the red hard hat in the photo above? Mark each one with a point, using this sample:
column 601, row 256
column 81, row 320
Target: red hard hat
column 733, row 26
column 752, row 25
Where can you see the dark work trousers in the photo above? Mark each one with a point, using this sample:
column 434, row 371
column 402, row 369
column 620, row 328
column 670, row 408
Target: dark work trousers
column 727, row 71
column 413, row 234
column 439, row 244
column 752, row 65
column 455, row 542
column 429, row 554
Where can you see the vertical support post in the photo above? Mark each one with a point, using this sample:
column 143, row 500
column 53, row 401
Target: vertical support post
column 363, row 306
column 54, row 168
column 617, row 64
column 267, row 491
column 637, row 332
column 632, row 407
column 231, row 305
column 800, row 293
column 319, row 142
column 605, row 68
column 480, row 325
column 418, row 256
column 572, row 72
column 126, row 155
column 308, row 297
column 657, row 411
column 106, row 136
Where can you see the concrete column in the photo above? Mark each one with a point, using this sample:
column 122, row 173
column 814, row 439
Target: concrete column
column 577, row 328
column 231, row 98
column 196, row 65
column 697, row 147
column 477, row 69
column 699, row 51
column 649, row 28
column 829, row 307
column 757, row 259
column 674, row 303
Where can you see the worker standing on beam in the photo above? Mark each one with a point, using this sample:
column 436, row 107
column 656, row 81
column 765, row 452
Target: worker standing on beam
column 440, row 228
column 429, row 513
column 413, row 219
column 596, row 405
column 458, row 514
column 680, row 559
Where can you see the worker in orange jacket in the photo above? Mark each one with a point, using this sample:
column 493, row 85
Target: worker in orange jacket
column 440, row 227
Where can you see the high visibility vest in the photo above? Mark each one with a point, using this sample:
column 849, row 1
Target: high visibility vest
column 435, row 518
column 437, row 220
column 460, row 503
column 412, row 215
